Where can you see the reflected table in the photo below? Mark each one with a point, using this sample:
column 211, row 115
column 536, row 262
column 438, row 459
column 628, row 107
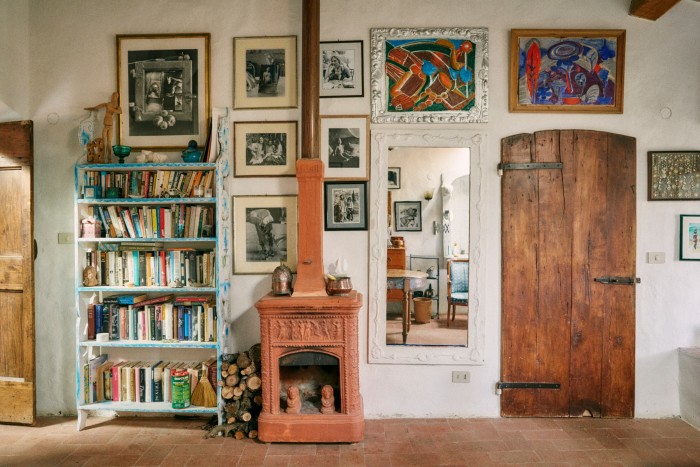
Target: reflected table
column 406, row 280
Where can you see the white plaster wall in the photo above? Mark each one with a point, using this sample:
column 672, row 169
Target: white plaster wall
column 14, row 57
column 72, row 65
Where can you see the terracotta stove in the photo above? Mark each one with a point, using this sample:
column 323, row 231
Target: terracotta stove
column 310, row 357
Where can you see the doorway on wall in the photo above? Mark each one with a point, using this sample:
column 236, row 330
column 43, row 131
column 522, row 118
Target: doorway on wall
column 568, row 264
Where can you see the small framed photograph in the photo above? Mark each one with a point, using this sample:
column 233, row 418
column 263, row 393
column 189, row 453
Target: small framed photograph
column 264, row 233
column 690, row 237
column 674, row 175
column 345, row 205
column 265, row 72
column 394, row 182
column 341, row 69
column 567, row 70
column 265, row 149
column 407, row 216
column 345, row 147
column 163, row 83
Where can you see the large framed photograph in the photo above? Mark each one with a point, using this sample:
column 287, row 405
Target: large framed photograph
column 265, row 149
column 690, row 237
column 674, row 175
column 265, row 72
column 264, row 233
column 345, row 147
column 341, row 69
column 435, row 75
column 407, row 216
column 163, row 83
column 345, row 205
column 394, row 178
column 567, row 70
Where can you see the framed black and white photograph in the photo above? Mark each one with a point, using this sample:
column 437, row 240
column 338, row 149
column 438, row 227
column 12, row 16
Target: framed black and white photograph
column 394, row 174
column 690, row 237
column 264, row 233
column 345, row 147
column 265, row 72
column 341, row 69
column 345, row 205
column 407, row 216
column 265, row 149
column 163, row 83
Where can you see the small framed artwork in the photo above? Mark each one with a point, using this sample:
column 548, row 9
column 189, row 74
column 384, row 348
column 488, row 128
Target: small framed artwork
column 264, row 233
column 394, row 182
column 674, row 175
column 345, row 147
column 449, row 84
column 265, row 72
column 163, row 83
column 407, row 216
column 567, row 70
column 690, row 237
column 345, row 205
column 265, row 149
column 341, row 69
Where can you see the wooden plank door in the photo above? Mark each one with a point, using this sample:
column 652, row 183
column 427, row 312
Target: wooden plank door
column 17, row 373
column 564, row 229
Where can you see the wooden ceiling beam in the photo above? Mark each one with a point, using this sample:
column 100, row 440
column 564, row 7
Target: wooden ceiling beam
column 651, row 9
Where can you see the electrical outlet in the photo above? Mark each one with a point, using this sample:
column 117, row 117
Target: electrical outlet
column 460, row 376
column 65, row 238
column 656, row 257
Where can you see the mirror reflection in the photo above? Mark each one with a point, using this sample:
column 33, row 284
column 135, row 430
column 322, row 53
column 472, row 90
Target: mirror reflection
column 427, row 298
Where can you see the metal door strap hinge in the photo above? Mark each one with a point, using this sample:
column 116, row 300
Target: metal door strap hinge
column 617, row 280
column 529, row 166
column 512, row 385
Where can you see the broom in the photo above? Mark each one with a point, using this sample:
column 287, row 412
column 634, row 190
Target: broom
column 204, row 394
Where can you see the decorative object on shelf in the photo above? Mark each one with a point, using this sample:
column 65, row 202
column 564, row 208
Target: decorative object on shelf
column 113, row 192
column 431, row 272
column 690, row 237
column 86, row 133
column 345, row 147
column 674, row 175
column 338, row 285
column 191, row 154
column 150, row 156
column 90, row 228
column 121, row 152
column 446, row 83
column 341, row 69
column 397, row 242
column 265, row 149
column 394, row 178
column 164, row 83
column 567, row 70
column 407, row 215
column 90, row 271
column 282, row 280
column 345, row 205
column 429, row 292
column 111, row 108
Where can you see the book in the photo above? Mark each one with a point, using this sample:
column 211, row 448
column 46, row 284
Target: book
column 93, row 364
column 157, row 389
column 116, row 381
column 131, row 299
column 91, row 321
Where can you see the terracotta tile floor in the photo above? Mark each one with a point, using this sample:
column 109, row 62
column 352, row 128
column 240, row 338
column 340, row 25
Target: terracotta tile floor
column 397, row 442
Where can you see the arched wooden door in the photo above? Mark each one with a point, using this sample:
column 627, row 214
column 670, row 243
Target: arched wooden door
column 568, row 252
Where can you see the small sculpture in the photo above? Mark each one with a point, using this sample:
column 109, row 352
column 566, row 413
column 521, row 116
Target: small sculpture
column 191, row 154
column 293, row 400
column 327, row 399
column 111, row 108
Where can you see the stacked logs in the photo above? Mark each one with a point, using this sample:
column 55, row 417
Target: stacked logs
column 241, row 393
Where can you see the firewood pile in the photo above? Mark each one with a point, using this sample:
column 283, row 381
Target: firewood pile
column 241, row 393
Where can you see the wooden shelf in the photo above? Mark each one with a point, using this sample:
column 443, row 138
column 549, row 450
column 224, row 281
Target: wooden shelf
column 152, row 344
column 160, row 407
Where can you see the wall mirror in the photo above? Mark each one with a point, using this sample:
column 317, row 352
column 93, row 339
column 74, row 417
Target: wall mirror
column 428, row 201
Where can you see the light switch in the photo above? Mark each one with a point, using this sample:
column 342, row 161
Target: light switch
column 65, row 238
column 656, row 257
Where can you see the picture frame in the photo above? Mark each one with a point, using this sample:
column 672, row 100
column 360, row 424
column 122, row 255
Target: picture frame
column 690, row 237
column 264, row 233
column 345, row 205
column 398, row 95
column 265, row 149
column 394, row 178
column 567, row 70
column 265, row 72
column 408, row 216
column 341, row 69
column 673, row 175
column 345, row 147
column 163, row 85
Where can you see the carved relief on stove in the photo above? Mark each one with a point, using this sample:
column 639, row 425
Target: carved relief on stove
column 309, row 331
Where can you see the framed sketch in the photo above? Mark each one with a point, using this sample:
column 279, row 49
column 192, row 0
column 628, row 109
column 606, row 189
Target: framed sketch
column 265, row 149
column 264, row 233
column 690, row 237
column 394, row 174
column 407, row 216
column 163, row 83
column 567, row 70
column 345, row 147
column 674, row 175
column 265, row 72
column 449, row 85
column 345, row 205
column 341, row 69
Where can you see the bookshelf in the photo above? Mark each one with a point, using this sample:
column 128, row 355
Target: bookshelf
column 156, row 243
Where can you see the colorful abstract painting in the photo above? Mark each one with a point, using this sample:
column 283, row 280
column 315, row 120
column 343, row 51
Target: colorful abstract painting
column 567, row 70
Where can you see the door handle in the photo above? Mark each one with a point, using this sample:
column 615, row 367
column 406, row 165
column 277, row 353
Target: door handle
column 36, row 249
column 617, row 280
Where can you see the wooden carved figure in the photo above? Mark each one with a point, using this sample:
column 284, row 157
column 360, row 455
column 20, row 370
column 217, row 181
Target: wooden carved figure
column 293, row 400
column 327, row 399
column 111, row 108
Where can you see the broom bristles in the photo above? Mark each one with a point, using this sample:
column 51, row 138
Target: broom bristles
column 204, row 394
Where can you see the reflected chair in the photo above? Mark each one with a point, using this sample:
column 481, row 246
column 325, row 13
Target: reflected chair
column 457, row 286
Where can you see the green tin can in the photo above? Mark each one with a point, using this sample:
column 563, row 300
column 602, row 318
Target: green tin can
column 180, row 389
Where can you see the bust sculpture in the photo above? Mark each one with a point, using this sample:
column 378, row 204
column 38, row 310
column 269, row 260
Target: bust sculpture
column 293, row 400
column 327, row 399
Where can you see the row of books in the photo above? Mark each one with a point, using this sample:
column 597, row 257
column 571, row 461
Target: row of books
column 173, row 267
column 158, row 319
column 143, row 381
column 150, row 183
column 175, row 221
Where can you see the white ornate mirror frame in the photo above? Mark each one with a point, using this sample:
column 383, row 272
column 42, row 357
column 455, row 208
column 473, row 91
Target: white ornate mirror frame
column 379, row 351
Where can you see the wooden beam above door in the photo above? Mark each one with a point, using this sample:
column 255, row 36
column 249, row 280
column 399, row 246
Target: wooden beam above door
column 651, row 9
